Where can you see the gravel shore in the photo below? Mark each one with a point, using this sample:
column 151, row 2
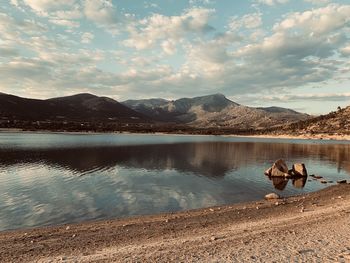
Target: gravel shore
column 310, row 228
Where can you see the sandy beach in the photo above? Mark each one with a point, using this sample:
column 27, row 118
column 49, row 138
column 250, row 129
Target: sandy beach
column 310, row 228
column 336, row 137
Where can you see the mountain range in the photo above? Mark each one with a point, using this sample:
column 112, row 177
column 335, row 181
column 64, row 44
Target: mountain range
column 80, row 107
column 206, row 111
column 214, row 111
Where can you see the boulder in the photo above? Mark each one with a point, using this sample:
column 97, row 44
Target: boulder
column 279, row 169
column 272, row 196
column 299, row 169
column 268, row 171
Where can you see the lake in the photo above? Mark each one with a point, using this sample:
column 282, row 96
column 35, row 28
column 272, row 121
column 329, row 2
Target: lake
column 50, row 179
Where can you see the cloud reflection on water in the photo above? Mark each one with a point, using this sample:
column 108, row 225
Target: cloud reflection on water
column 53, row 185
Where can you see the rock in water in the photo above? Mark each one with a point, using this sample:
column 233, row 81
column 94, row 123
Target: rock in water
column 279, row 168
column 268, row 171
column 299, row 169
column 341, row 182
column 272, row 196
column 281, row 165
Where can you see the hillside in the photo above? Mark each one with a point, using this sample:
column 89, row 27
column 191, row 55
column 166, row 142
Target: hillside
column 80, row 107
column 181, row 110
column 334, row 122
column 214, row 111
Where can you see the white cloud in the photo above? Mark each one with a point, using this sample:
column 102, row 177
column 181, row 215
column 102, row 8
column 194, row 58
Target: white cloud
column 64, row 22
column 299, row 97
column 14, row 2
column 272, row 2
column 317, row 21
column 59, row 12
column 147, row 32
column 201, row 2
column 249, row 21
column 345, row 50
column 42, row 7
column 169, row 47
column 11, row 29
column 74, row 13
column 318, row 2
column 87, row 37
column 100, row 11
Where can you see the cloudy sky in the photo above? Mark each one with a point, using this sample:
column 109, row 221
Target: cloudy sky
column 289, row 53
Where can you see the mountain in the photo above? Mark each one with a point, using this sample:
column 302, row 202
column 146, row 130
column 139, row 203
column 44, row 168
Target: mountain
column 181, row 110
column 205, row 112
column 214, row 111
column 80, row 107
column 334, row 122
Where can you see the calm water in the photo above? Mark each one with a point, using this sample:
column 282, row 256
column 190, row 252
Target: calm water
column 48, row 179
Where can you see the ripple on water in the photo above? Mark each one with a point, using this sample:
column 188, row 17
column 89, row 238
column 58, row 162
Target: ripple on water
column 55, row 179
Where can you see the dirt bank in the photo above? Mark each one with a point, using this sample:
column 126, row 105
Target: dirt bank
column 310, row 228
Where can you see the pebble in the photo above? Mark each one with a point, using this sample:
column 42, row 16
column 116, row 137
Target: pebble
column 74, row 235
column 211, row 209
column 272, row 196
column 213, row 238
column 67, row 228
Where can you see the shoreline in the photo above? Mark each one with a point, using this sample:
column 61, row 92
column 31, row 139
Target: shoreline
column 327, row 137
column 309, row 226
column 298, row 137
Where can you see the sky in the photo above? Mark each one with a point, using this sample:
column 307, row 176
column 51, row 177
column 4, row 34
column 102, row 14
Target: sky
column 288, row 53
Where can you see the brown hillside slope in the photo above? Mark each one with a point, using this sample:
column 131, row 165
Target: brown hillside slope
column 333, row 123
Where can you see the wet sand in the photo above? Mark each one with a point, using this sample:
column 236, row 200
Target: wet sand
column 310, row 228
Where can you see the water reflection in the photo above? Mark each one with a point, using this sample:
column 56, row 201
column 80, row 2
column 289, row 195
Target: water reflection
column 280, row 183
column 212, row 159
column 299, row 182
column 52, row 185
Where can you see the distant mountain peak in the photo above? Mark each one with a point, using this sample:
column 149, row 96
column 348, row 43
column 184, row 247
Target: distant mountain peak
column 76, row 96
column 213, row 110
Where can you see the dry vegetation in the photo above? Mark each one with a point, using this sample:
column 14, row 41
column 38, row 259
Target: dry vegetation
column 333, row 123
